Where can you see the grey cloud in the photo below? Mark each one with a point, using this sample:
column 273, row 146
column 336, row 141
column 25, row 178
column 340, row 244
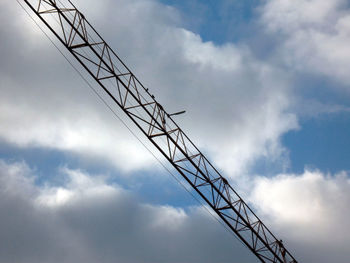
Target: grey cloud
column 101, row 223
column 87, row 219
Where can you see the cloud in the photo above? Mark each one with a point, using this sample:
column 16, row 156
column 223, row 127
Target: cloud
column 313, row 34
column 310, row 210
column 87, row 219
column 311, row 108
column 229, row 94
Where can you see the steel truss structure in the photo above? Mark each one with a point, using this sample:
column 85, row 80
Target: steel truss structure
column 103, row 64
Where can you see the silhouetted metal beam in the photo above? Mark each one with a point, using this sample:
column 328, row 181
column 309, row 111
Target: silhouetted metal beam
column 114, row 77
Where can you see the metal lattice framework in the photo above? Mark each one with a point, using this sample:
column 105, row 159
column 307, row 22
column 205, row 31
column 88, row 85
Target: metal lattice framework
column 103, row 64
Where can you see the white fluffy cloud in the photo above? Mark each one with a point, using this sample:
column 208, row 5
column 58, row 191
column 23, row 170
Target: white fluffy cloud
column 229, row 95
column 310, row 210
column 314, row 35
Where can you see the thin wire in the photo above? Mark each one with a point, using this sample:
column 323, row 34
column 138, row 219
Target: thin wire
column 124, row 123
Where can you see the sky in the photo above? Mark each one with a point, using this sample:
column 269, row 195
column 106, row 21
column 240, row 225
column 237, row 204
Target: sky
column 266, row 91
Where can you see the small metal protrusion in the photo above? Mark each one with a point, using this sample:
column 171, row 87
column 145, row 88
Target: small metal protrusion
column 177, row 113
